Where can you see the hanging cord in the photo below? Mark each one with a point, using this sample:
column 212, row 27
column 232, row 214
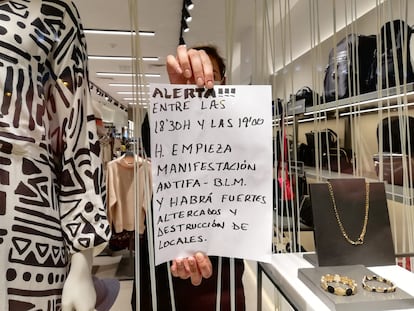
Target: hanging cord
column 355, row 141
column 137, row 262
column 229, row 13
column 140, row 97
column 404, row 129
column 293, row 176
column 219, row 273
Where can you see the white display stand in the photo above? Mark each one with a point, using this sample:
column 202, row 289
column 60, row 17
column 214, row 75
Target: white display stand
column 283, row 273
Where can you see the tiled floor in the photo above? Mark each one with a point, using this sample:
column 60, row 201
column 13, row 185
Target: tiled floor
column 123, row 302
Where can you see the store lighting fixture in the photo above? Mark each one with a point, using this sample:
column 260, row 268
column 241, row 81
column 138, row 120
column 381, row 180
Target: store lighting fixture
column 375, row 109
column 289, row 120
column 143, row 104
column 189, row 4
column 312, row 119
column 118, row 32
column 186, row 15
column 184, row 26
column 97, row 57
column 127, row 85
column 185, row 19
column 121, row 74
column 130, row 92
column 361, row 103
column 106, row 96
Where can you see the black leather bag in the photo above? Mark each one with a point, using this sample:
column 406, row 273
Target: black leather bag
column 392, row 151
column 400, row 31
column 307, row 94
column 391, row 134
column 327, row 139
column 352, row 59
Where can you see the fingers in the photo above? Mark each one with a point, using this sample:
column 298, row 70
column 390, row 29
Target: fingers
column 200, row 267
column 195, row 273
column 174, row 70
column 201, row 67
column 195, row 267
column 190, row 66
column 178, row 269
column 204, row 265
column 183, row 59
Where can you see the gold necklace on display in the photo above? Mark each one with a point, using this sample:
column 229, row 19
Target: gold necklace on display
column 360, row 240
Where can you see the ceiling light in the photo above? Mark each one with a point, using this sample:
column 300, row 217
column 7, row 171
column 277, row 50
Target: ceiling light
column 118, row 32
column 127, row 85
column 150, row 58
column 312, row 119
column 189, row 4
column 146, row 33
column 184, row 26
column 98, row 57
column 145, row 104
column 187, row 17
column 131, row 92
column 121, row 74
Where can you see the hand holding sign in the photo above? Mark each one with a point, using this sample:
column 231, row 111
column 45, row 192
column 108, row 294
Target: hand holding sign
column 190, row 66
column 195, row 267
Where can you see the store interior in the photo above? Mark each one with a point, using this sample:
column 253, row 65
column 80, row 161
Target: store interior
column 285, row 44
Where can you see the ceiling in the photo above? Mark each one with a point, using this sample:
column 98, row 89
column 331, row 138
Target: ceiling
column 160, row 16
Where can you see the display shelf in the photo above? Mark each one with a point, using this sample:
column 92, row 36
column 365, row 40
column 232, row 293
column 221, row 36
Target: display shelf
column 283, row 274
column 363, row 101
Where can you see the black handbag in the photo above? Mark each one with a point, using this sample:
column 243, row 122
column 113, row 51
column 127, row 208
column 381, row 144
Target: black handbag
column 326, row 139
column 352, row 59
column 307, row 94
column 400, row 31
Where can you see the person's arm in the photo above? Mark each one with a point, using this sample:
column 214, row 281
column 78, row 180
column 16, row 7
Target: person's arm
column 190, row 66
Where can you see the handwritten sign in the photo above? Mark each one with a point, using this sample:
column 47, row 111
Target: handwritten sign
column 212, row 171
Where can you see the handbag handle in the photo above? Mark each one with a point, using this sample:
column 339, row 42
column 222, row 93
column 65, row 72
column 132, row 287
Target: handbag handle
column 305, row 88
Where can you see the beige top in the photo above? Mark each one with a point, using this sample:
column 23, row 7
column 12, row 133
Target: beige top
column 120, row 192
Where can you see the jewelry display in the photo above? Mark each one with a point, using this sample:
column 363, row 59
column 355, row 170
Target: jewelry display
column 390, row 289
column 328, row 279
column 361, row 237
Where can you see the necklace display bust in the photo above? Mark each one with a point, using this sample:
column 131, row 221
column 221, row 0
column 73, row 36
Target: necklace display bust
column 362, row 212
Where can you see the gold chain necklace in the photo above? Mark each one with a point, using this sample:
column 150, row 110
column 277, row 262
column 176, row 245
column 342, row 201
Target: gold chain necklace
column 360, row 240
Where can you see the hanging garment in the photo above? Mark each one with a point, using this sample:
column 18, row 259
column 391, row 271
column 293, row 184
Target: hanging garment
column 121, row 190
column 51, row 179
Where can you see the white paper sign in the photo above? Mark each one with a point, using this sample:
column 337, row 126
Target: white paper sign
column 211, row 154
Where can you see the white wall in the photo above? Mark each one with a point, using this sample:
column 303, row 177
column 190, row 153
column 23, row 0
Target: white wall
column 112, row 114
